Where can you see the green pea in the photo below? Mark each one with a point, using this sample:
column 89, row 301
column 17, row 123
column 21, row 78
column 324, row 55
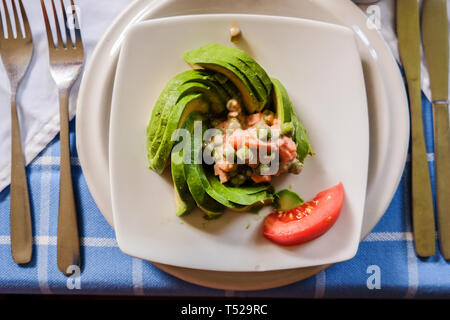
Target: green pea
column 229, row 153
column 244, row 154
column 263, row 169
column 218, row 139
column 264, row 134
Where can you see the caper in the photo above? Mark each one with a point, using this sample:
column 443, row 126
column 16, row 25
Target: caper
column 238, row 179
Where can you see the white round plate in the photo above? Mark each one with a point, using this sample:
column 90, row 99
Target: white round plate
column 388, row 113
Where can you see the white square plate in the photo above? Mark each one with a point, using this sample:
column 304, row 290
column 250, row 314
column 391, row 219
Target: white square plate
column 320, row 67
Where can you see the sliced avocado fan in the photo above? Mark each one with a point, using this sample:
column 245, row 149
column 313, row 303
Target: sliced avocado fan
column 249, row 77
column 193, row 97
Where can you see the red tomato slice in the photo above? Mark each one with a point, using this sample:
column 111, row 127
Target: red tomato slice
column 306, row 222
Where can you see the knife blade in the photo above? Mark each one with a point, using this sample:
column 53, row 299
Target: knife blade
column 408, row 31
column 436, row 47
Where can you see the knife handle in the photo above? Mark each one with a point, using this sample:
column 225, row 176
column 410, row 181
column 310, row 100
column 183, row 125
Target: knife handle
column 424, row 228
column 442, row 165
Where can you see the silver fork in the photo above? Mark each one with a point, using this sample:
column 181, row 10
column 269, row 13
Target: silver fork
column 66, row 61
column 16, row 55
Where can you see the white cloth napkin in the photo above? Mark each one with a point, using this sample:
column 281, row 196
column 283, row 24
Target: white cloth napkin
column 37, row 97
column 387, row 30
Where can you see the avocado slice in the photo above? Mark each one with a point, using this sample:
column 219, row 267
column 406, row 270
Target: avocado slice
column 251, row 100
column 166, row 100
column 184, row 202
column 286, row 200
column 243, row 61
column 238, row 195
column 195, row 184
column 226, row 60
column 283, row 104
column 286, row 113
column 227, row 85
column 232, row 90
column 188, row 87
column 187, row 105
column 196, row 81
column 217, row 91
column 252, row 189
column 260, row 72
column 182, row 84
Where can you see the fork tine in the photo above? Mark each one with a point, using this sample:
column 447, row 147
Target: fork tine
column 58, row 31
column 8, row 21
column 78, row 41
column 16, row 18
column 26, row 24
column 66, row 28
column 2, row 32
column 51, row 44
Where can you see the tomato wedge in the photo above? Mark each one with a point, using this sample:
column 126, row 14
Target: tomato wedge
column 306, row 222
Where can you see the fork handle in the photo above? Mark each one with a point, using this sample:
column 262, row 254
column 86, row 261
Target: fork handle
column 20, row 218
column 68, row 244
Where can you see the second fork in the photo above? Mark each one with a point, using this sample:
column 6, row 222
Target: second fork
column 66, row 61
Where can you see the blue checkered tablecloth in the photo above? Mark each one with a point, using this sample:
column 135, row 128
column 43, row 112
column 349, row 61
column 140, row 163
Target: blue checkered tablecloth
column 388, row 251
